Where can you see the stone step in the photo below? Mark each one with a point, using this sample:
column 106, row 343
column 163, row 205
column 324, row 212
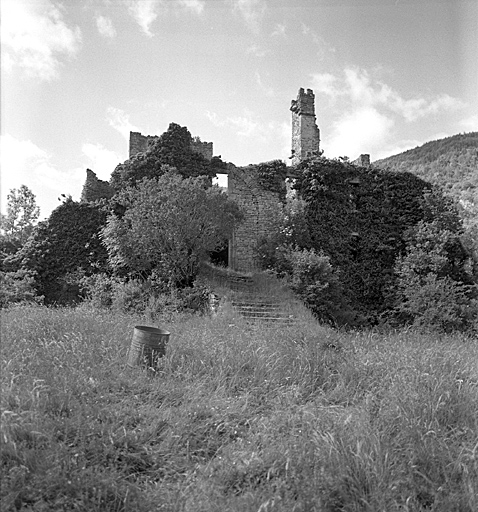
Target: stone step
column 252, row 305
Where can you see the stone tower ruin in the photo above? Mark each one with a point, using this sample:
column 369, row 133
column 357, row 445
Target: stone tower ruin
column 305, row 133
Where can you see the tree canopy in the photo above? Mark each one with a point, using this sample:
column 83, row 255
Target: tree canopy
column 167, row 226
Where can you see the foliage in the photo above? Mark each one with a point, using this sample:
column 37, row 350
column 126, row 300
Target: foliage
column 67, row 241
column 22, row 213
column 17, row 287
column 357, row 217
column 435, row 288
column 168, row 227
column 171, row 149
column 288, row 231
column 316, row 283
column 271, row 176
column 140, row 297
column 450, row 163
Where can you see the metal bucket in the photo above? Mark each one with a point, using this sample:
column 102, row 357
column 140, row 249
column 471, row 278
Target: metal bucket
column 147, row 346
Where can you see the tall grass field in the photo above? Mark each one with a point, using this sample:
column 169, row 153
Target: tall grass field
column 236, row 416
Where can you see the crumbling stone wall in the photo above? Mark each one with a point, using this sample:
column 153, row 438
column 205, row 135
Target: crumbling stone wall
column 95, row 189
column 139, row 143
column 305, row 133
column 362, row 161
column 258, row 206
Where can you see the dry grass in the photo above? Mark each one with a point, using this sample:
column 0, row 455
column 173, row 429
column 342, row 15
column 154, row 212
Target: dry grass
column 236, row 418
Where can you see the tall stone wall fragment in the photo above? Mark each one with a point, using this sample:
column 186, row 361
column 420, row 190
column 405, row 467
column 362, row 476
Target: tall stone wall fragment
column 258, row 206
column 95, row 189
column 139, row 143
column 305, row 133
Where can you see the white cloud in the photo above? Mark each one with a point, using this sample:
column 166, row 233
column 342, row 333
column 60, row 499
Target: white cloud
column 470, row 123
column 371, row 108
column 101, row 160
column 364, row 130
column 257, row 51
column 322, row 46
column 119, row 120
column 365, row 91
column 252, row 11
column 105, row 27
column 268, row 91
column 325, row 83
column 24, row 163
column 145, row 13
column 279, row 30
column 36, row 37
column 196, row 6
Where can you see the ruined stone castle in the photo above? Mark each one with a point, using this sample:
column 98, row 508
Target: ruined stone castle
column 244, row 188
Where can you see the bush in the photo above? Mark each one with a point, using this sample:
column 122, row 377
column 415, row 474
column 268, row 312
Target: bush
column 317, row 284
column 17, row 287
column 63, row 244
column 439, row 304
column 434, row 287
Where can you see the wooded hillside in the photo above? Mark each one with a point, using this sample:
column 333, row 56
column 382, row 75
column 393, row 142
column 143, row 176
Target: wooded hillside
column 451, row 162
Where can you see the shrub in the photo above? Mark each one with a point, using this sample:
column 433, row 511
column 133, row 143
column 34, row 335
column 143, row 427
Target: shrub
column 434, row 287
column 317, row 284
column 16, row 287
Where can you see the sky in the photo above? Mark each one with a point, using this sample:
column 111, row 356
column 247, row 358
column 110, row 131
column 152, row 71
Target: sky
column 78, row 75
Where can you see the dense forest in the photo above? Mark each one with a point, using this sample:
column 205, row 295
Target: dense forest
column 451, row 163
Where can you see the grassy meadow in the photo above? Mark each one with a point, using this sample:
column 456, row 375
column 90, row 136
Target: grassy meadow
column 237, row 416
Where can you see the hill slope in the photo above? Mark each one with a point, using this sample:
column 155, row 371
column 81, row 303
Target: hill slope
column 451, row 162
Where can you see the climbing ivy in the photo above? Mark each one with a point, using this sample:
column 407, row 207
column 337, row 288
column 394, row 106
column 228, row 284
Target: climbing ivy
column 358, row 216
column 271, row 176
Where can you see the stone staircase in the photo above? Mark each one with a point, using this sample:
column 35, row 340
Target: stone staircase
column 256, row 308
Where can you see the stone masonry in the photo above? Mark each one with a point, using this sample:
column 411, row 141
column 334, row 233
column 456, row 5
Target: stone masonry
column 139, row 143
column 305, row 133
column 95, row 189
column 258, row 206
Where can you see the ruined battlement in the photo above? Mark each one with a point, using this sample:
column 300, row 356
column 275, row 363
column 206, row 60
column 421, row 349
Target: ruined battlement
column 95, row 189
column 305, row 133
column 203, row 148
column 362, row 161
column 139, row 143
column 305, row 103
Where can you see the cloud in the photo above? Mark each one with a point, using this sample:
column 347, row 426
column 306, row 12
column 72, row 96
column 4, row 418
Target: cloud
column 363, row 90
column 24, row 163
column 245, row 126
column 105, row 27
column 145, row 13
column 36, row 38
column 101, row 160
column 371, row 109
column 470, row 123
column 325, row 83
column 279, row 30
column 268, row 91
column 196, row 6
column 257, row 51
column 321, row 44
column 252, row 11
column 364, row 130
column 119, row 120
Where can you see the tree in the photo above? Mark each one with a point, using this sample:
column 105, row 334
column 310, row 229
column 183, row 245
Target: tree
column 22, row 214
column 435, row 288
column 173, row 149
column 67, row 242
column 167, row 227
